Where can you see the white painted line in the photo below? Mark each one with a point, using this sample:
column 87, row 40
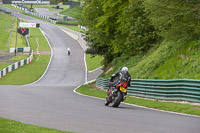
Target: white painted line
column 85, row 68
column 85, row 95
column 137, row 105
column 49, row 61
column 95, row 69
column 88, row 82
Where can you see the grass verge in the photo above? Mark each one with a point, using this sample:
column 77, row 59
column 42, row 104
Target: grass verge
column 9, row 6
column 5, row 27
column 3, row 65
column 74, row 28
column 10, row 126
column 74, row 12
column 28, row 73
column 167, row 106
column 50, row 7
column 37, row 36
column 93, row 62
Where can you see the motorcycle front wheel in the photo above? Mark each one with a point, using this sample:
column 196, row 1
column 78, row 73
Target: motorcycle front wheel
column 107, row 101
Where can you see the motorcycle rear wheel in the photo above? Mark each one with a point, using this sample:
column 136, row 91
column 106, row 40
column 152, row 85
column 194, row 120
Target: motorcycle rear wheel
column 117, row 99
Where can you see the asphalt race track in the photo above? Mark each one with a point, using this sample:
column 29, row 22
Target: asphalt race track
column 45, row 11
column 51, row 102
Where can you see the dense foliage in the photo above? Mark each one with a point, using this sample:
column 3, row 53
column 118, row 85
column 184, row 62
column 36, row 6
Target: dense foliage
column 175, row 19
column 130, row 27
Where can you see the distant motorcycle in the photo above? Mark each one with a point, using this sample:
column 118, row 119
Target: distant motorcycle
column 118, row 95
column 68, row 52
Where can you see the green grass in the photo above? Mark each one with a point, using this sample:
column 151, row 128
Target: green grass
column 167, row 106
column 3, row 65
column 170, row 60
column 48, row 6
column 75, row 28
column 19, row 57
column 27, row 73
column 5, row 26
column 74, row 12
column 9, row 6
column 35, row 34
column 69, row 22
column 15, row 58
column 10, row 126
column 30, row 73
column 93, row 62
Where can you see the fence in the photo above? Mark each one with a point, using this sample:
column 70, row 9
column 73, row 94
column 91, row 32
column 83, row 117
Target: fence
column 178, row 89
column 16, row 65
column 47, row 17
column 35, row 14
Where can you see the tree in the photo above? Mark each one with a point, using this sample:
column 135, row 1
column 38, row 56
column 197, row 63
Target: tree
column 117, row 27
column 175, row 19
column 135, row 33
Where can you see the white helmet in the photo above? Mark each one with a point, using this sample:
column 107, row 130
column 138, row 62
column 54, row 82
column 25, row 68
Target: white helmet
column 125, row 69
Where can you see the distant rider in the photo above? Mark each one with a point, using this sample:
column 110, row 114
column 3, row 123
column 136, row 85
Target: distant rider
column 68, row 51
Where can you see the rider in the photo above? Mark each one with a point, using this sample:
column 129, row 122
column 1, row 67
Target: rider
column 68, row 51
column 122, row 75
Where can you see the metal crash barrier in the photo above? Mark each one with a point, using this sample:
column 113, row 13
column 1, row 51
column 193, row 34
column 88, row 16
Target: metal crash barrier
column 177, row 89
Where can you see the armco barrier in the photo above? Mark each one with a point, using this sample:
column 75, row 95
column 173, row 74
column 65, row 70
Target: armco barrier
column 16, row 65
column 35, row 14
column 178, row 89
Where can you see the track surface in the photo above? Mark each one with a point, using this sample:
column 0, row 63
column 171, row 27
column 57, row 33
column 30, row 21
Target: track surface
column 52, row 103
column 45, row 11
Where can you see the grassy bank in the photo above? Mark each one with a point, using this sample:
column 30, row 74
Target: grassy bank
column 32, row 72
column 93, row 62
column 28, row 73
column 5, row 27
column 167, row 106
column 9, row 6
column 74, row 12
column 169, row 60
column 74, row 28
column 49, row 7
column 9, row 126
column 3, row 65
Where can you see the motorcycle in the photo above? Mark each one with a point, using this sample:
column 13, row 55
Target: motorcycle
column 68, row 52
column 118, row 95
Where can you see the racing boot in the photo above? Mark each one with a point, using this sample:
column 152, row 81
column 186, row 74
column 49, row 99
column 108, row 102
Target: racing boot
column 124, row 98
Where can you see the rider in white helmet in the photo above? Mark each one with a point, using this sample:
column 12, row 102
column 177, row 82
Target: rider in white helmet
column 122, row 75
